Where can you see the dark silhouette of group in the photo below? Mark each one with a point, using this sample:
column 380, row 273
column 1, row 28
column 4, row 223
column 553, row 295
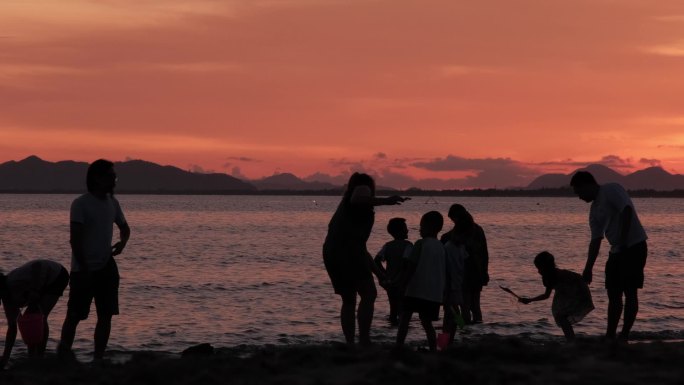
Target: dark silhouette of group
column 419, row 278
column 37, row 285
column 446, row 273
column 450, row 272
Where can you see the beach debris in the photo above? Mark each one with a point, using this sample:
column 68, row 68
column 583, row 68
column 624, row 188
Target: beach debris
column 204, row 349
column 509, row 291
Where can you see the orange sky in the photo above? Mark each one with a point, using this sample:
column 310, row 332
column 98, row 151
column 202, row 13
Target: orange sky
column 439, row 94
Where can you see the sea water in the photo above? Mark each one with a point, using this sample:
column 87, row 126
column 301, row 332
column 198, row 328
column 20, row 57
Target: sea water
column 233, row 270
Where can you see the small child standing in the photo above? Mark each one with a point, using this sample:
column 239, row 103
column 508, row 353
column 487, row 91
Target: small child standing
column 426, row 276
column 394, row 253
column 456, row 255
column 572, row 300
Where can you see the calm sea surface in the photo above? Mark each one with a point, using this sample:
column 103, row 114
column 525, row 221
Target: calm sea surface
column 234, row 270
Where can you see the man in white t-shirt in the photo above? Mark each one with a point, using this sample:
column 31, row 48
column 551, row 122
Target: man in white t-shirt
column 94, row 274
column 612, row 215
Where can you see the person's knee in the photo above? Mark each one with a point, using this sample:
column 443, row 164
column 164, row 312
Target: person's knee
column 631, row 294
column 369, row 294
column 104, row 320
column 615, row 295
column 72, row 319
column 348, row 299
column 369, row 297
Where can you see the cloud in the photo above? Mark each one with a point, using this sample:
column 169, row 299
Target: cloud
column 196, row 67
column 612, row 161
column 347, row 163
column 199, row 169
column 424, row 79
column 237, row 173
column 243, row 159
column 338, row 180
column 400, row 172
column 615, row 161
column 650, row 162
column 675, row 49
column 380, row 155
column 488, row 172
column 457, row 163
column 478, row 172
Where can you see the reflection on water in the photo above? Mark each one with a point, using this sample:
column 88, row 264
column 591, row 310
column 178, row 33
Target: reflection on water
column 233, row 270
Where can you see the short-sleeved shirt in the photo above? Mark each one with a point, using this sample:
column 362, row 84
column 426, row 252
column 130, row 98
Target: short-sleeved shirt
column 97, row 217
column 604, row 216
column 429, row 278
column 395, row 252
column 21, row 282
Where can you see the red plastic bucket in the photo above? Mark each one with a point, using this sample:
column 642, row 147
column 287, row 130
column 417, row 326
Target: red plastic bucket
column 443, row 340
column 31, row 327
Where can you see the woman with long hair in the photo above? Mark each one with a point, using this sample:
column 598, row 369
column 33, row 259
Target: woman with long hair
column 476, row 275
column 347, row 260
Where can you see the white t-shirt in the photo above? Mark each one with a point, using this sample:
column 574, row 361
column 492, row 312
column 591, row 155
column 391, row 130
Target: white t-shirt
column 98, row 217
column 21, row 282
column 429, row 278
column 604, row 216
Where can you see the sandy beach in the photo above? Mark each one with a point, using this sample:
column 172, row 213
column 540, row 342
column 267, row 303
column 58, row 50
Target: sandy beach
column 492, row 360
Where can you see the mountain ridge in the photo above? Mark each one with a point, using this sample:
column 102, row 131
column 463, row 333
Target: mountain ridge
column 35, row 175
column 651, row 178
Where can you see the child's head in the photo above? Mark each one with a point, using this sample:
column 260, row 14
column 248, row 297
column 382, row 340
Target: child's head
column 431, row 224
column 544, row 262
column 396, row 227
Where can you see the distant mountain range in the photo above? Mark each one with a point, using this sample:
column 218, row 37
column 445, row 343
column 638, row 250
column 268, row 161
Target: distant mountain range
column 287, row 181
column 138, row 176
column 36, row 175
column 33, row 175
column 652, row 178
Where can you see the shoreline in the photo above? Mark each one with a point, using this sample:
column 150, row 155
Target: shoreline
column 482, row 360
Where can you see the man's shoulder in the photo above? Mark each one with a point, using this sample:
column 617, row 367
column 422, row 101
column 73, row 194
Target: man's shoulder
column 82, row 200
column 83, row 197
column 612, row 187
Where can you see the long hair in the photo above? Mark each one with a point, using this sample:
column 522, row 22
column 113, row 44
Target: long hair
column 462, row 218
column 358, row 179
column 96, row 169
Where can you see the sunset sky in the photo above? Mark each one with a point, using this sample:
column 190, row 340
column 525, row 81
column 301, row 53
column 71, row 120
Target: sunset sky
column 436, row 94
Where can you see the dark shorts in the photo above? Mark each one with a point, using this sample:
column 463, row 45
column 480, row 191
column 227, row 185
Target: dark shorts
column 347, row 274
column 57, row 286
column 101, row 285
column 426, row 309
column 625, row 270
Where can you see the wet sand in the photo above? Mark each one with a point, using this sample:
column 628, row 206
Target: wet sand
column 488, row 360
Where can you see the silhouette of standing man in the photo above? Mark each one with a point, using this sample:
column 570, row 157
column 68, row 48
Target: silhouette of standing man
column 612, row 214
column 94, row 274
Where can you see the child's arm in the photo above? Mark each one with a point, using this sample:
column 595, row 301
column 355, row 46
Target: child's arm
column 374, row 267
column 380, row 258
column 541, row 297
